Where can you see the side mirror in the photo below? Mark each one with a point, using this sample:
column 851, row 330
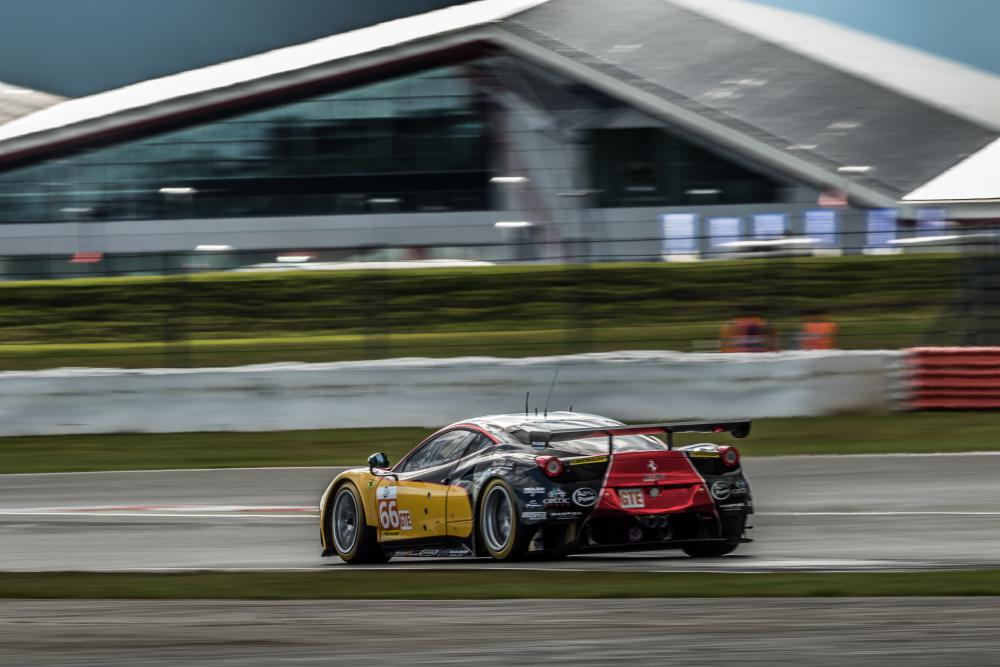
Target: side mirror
column 379, row 460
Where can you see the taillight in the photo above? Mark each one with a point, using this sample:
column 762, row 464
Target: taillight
column 550, row 465
column 729, row 456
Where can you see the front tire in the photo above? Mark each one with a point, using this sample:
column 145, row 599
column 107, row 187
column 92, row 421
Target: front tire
column 353, row 539
column 501, row 533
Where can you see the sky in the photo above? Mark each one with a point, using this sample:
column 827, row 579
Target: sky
column 963, row 30
column 77, row 47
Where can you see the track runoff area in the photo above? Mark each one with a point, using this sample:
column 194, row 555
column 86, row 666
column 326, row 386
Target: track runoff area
column 814, row 513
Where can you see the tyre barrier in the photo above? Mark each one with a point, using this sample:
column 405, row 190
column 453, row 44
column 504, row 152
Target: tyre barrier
column 952, row 378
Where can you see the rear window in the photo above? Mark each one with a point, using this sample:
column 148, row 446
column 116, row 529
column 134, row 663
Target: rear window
column 623, row 443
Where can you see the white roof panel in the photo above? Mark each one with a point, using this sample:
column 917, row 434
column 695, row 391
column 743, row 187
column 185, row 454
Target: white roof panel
column 289, row 59
column 976, row 178
column 957, row 88
column 17, row 102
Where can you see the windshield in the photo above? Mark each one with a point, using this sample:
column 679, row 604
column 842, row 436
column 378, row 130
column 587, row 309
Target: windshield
column 623, row 443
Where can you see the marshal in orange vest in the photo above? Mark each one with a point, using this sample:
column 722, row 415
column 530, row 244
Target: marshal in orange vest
column 818, row 332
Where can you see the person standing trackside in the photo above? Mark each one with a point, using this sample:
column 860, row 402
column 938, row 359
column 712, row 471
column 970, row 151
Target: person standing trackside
column 748, row 332
column 819, row 332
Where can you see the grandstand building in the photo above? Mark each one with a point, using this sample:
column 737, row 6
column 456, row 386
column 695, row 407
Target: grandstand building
column 509, row 130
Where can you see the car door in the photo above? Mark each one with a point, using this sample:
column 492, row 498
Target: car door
column 463, row 479
column 412, row 503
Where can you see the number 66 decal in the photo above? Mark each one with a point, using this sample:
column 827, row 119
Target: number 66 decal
column 388, row 515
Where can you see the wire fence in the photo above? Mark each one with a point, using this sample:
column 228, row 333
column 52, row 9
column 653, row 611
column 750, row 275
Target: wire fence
column 221, row 306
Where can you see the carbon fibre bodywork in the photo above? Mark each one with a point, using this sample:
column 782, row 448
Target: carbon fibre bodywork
column 623, row 491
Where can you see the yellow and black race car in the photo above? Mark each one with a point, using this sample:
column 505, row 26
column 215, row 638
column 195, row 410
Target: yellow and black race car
column 509, row 485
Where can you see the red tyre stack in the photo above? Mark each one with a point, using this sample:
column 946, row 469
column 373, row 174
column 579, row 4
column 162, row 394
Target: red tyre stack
column 953, row 378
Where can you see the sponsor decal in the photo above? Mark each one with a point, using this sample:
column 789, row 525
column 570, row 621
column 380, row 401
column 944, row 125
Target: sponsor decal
column 702, row 454
column 585, row 496
column 651, row 465
column 732, row 506
column 534, row 504
column 390, row 533
column 534, row 516
column 588, row 460
column 565, row 515
column 557, row 497
column 720, row 490
column 533, row 490
column 654, row 478
column 429, row 552
column 389, row 516
column 631, row 498
column 740, row 488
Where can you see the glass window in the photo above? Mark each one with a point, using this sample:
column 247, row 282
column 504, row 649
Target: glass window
column 623, row 443
column 478, row 444
column 651, row 166
column 416, row 138
column 446, row 447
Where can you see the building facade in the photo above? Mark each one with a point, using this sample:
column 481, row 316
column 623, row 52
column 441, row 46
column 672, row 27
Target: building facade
column 498, row 130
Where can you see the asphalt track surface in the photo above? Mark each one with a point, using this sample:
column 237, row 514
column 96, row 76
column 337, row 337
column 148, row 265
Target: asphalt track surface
column 917, row 632
column 814, row 513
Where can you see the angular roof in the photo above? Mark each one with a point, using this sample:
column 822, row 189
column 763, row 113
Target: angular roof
column 231, row 81
column 16, row 102
column 806, row 111
column 796, row 93
column 975, row 179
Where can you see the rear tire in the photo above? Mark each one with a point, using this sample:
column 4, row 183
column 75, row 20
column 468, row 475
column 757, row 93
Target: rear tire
column 499, row 523
column 352, row 538
column 732, row 528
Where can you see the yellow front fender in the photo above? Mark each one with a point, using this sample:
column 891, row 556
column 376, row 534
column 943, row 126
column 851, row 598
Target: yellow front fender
column 366, row 482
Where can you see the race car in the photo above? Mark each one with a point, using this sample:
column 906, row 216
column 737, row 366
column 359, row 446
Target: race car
column 512, row 486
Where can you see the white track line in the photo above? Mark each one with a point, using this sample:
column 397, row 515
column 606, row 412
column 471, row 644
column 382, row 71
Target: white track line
column 162, row 470
column 177, row 511
column 158, row 515
column 889, row 513
column 747, row 454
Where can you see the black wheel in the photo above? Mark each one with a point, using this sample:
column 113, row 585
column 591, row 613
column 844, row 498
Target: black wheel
column 353, row 539
column 500, row 530
column 710, row 549
column 732, row 526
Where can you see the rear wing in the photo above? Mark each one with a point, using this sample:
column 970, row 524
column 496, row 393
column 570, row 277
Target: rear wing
column 541, row 437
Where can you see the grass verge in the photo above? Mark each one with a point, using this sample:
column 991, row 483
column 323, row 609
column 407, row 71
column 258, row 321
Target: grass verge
column 854, row 434
column 232, row 318
column 489, row 585
column 855, row 333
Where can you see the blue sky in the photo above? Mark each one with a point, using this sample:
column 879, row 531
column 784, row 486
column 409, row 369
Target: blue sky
column 76, row 47
column 963, row 30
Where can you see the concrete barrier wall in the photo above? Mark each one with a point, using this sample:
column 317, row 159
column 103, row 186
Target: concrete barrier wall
column 431, row 392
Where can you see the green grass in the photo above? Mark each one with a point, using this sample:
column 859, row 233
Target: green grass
column 853, row 434
column 137, row 451
column 863, row 333
column 491, row 585
column 229, row 319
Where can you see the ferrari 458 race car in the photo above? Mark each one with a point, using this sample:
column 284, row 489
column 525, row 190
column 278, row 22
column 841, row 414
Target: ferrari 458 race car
column 511, row 485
